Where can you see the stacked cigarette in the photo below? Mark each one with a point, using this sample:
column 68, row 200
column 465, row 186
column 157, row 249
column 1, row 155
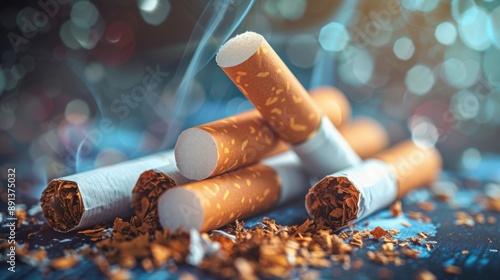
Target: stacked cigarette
column 214, row 202
column 227, row 144
column 254, row 67
column 86, row 199
column 347, row 196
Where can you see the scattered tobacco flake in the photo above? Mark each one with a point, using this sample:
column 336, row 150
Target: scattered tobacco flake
column 405, row 224
column 385, row 273
column 465, row 252
column 187, row 276
column 424, row 274
column 64, row 263
column 493, row 204
column 491, row 220
column 310, row 275
column 333, row 202
column 33, row 258
column 464, row 219
column 410, row 252
column 396, row 209
column 452, row 269
column 357, row 264
column 479, row 218
column 378, row 232
column 427, row 206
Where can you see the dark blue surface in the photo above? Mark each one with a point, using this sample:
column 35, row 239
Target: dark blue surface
column 482, row 241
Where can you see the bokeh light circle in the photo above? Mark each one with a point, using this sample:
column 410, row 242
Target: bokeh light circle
column 94, row 72
column 66, row 34
column 358, row 70
column 494, row 27
column 154, row 12
column 285, row 9
column 403, row 48
column 419, row 79
column 471, row 158
column 420, row 5
column 465, row 105
column 77, row 112
column 301, row 50
column 423, row 132
column 333, row 37
column 446, row 33
column 472, row 27
column 84, row 14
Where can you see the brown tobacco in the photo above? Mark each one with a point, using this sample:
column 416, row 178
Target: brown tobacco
column 334, row 199
column 62, row 203
column 150, row 185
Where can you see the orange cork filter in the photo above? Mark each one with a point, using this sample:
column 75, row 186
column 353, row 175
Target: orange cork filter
column 260, row 74
column 187, row 207
column 212, row 203
column 214, row 148
column 345, row 197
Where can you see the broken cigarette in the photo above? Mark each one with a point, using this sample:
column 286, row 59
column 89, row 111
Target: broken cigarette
column 217, row 201
column 345, row 197
column 256, row 69
column 86, row 199
column 148, row 188
column 214, row 202
column 217, row 147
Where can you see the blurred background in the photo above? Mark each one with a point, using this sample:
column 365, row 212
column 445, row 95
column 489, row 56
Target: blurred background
column 85, row 84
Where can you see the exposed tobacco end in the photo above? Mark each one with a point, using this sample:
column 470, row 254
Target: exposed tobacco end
column 149, row 187
column 62, row 205
column 333, row 202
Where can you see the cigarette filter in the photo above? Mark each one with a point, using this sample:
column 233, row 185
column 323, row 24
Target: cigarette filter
column 209, row 204
column 85, row 199
column 227, row 144
column 345, row 197
column 254, row 67
column 212, row 203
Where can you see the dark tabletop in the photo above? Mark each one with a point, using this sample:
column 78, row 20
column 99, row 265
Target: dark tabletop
column 482, row 241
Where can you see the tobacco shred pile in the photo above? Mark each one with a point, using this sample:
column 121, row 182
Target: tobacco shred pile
column 333, row 202
column 266, row 250
column 62, row 205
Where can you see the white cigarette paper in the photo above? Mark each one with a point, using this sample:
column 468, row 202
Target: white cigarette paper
column 106, row 192
column 376, row 184
column 326, row 151
column 294, row 181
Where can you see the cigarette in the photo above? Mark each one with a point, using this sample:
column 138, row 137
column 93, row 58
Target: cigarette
column 86, row 199
column 220, row 146
column 260, row 74
column 214, row 202
column 348, row 196
column 209, row 204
